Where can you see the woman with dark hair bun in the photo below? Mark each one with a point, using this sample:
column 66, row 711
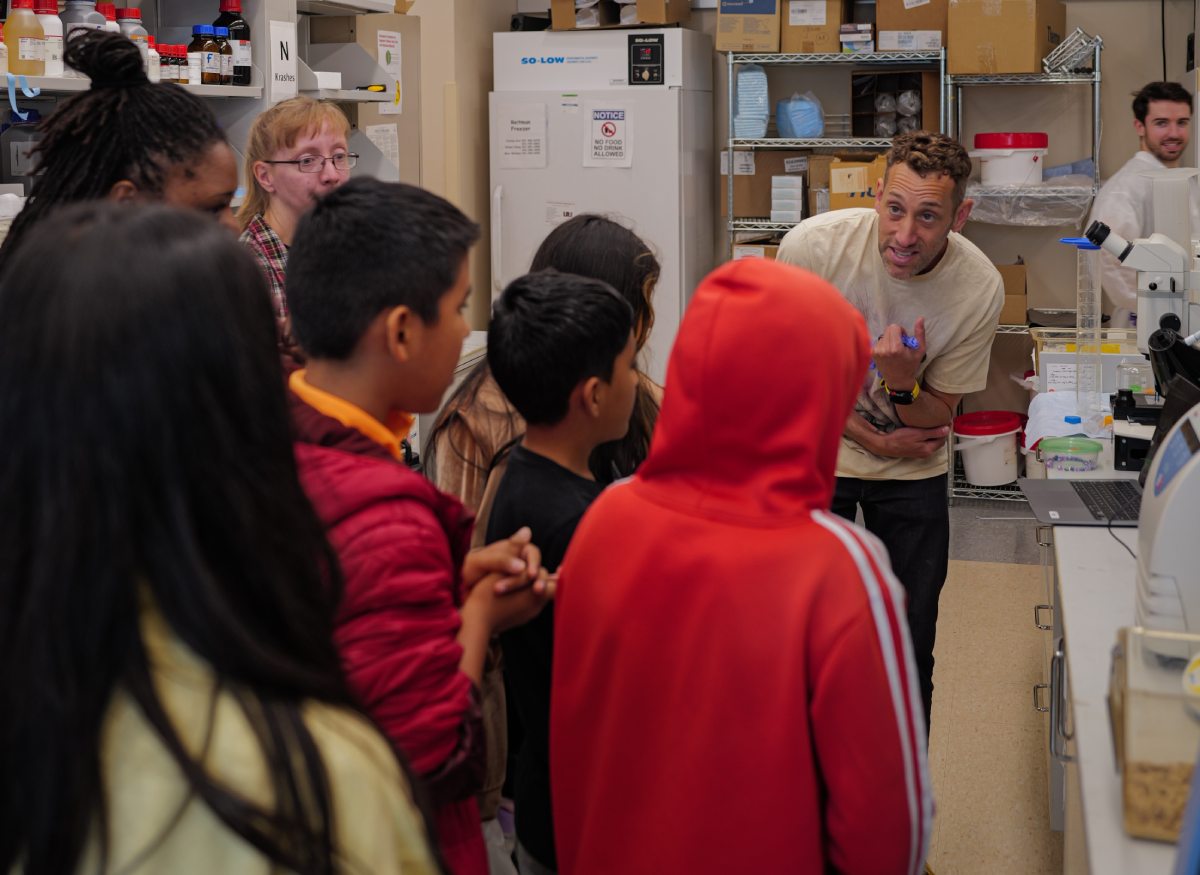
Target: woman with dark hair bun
column 127, row 139
column 171, row 699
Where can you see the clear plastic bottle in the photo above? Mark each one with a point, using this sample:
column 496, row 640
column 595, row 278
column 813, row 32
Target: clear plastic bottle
column 1088, row 362
column 16, row 148
column 26, row 39
column 52, row 26
column 129, row 19
column 153, row 61
column 239, row 39
column 221, row 37
column 80, row 15
column 109, row 11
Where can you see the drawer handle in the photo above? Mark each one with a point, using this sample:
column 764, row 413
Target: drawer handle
column 1037, row 618
column 1037, row 699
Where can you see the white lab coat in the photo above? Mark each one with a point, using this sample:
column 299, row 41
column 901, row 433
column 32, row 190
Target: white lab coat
column 1126, row 204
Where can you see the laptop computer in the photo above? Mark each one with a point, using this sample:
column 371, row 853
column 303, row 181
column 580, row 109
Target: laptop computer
column 1084, row 502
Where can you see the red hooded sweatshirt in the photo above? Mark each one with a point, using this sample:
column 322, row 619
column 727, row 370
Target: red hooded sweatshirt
column 733, row 684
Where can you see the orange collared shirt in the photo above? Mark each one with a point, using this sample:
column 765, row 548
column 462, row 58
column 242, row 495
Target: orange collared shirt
column 352, row 416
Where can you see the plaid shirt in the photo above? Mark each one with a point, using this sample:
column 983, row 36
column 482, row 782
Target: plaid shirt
column 272, row 255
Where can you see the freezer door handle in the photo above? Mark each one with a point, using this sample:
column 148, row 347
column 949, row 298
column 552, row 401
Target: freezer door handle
column 497, row 236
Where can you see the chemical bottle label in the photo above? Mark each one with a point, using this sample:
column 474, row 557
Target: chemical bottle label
column 30, row 48
column 20, row 158
column 194, row 68
column 241, row 52
column 54, row 49
column 211, row 63
column 226, row 66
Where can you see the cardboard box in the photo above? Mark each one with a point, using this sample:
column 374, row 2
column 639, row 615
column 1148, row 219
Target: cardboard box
column 905, row 26
column 852, row 183
column 865, row 86
column 752, row 180
column 769, row 251
column 748, row 25
column 1015, row 300
column 818, row 184
column 810, row 27
column 1003, row 36
column 562, row 13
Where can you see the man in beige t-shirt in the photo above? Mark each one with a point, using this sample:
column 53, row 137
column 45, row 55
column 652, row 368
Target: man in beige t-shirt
column 932, row 300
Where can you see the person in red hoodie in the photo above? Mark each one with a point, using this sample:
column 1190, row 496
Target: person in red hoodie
column 733, row 684
column 377, row 285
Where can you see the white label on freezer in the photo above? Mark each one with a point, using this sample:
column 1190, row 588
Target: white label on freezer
column 569, row 104
column 284, row 75
column 387, row 46
column 913, row 4
column 607, row 137
column 749, row 252
column 522, row 129
column 386, row 139
column 795, row 165
column 807, row 13
column 743, row 163
column 557, row 213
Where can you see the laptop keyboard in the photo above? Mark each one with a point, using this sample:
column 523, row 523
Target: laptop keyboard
column 1110, row 500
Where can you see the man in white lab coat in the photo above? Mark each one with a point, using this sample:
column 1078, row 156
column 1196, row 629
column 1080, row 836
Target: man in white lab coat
column 1162, row 117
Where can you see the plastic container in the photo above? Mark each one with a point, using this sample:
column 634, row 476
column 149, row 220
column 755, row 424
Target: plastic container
column 25, row 39
column 239, row 39
column 1073, row 454
column 1089, row 360
column 153, row 61
column 109, row 11
column 3, row 53
column 1011, row 158
column 987, row 440
column 1136, row 376
column 16, row 148
column 52, row 26
column 1154, row 701
column 129, row 19
column 80, row 15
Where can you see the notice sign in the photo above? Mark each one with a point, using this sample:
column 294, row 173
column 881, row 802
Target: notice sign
column 607, row 139
column 522, row 131
column 283, row 60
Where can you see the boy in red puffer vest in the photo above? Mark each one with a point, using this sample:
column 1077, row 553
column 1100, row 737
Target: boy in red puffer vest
column 377, row 284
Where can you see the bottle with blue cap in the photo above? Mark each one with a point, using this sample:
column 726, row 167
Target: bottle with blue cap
column 204, row 57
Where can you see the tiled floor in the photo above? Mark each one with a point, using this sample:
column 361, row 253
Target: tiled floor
column 987, row 748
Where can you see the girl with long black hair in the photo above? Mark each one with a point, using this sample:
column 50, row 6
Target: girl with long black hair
column 171, row 699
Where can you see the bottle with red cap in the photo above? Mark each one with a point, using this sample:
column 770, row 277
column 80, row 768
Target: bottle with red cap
column 153, row 61
column 26, row 40
column 129, row 19
column 109, row 11
column 52, row 26
column 239, row 39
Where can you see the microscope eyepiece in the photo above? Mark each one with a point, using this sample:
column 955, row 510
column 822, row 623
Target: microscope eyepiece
column 1097, row 233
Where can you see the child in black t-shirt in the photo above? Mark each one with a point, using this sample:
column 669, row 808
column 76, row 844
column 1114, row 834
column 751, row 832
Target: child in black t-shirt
column 561, row 348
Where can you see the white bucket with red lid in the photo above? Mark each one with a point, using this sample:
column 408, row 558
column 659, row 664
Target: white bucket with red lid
column 987, row 440
column 1011, row 158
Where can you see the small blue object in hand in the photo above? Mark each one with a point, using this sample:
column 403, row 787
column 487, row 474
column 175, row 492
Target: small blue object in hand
column 910, row 342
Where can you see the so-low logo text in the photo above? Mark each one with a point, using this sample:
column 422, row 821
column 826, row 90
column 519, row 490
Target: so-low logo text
column 548, row 60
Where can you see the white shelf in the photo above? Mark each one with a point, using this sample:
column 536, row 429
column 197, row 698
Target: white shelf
column 814, row 143
column 345, row 7
column 347, row 95
column 852, row 59
column 63, row 85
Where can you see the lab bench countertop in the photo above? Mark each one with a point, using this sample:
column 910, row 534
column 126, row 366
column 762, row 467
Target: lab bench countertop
column 1097, row 584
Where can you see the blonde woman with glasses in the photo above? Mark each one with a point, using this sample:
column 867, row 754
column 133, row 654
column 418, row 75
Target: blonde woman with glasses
column 297, row 152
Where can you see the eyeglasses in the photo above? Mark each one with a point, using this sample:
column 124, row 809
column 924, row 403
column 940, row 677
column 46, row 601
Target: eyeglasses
column 342, row 161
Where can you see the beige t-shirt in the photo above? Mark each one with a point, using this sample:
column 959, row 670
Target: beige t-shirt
column 960, row 300
column 157, row 825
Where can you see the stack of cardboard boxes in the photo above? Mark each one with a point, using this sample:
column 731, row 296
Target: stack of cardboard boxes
column 980, row 36
column 649, row 12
